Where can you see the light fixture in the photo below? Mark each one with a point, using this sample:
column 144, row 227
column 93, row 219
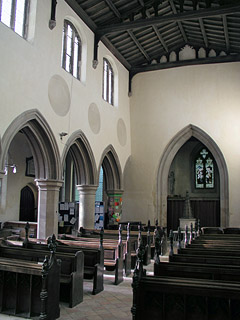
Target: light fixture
column 13, row 166
column 63, row 134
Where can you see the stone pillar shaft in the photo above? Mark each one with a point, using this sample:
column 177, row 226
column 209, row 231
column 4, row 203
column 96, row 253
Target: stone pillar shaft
column 48, row 197
column 87, row 195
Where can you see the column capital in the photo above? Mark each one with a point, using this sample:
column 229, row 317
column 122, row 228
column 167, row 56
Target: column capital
column 87, row 189
column 49, row 184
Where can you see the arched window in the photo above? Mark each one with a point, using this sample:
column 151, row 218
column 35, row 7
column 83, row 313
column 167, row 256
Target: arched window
column 14, row 14
column 204, row 170
column 108, row 82
column 71, row 54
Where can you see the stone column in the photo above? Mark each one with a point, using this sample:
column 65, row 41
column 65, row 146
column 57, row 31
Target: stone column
column 87, row 195
column 48, row 198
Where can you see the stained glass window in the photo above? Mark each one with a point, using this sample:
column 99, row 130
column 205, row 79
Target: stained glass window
column 204, row 170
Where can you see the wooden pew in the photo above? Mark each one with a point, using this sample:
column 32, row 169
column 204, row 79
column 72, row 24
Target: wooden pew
column 175, row 297
column 106, row 242
column 198, row 271
column 71, row 274
column 163, row 298
column 93, row 259
column 209, row 259
column 129, row 242
column 28, row 289
column 220, row 251
column 18, row 227
column 113, row 255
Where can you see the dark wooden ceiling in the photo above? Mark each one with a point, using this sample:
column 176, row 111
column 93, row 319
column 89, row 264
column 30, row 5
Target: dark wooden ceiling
column 148, row 35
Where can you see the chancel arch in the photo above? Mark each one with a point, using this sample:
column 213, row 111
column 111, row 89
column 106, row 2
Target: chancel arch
column 165, row 164
column 30, row 133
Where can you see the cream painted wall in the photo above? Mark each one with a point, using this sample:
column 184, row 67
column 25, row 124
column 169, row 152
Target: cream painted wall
column 163, row 103
column 27, row 67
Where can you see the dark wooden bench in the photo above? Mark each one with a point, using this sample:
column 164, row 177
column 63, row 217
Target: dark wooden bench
column 93, row 257
column 93, row 260
column 220, row 251
column 106, row 243
column 18, row 227
column 28, row 289
column 198, row 271
column 175, row 297
column 113, row 255
column 129, row 243
column 71, row 274
column 164, row 298
column 209, row 259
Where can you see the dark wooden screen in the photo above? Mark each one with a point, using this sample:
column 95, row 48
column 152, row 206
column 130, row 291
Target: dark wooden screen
column 208, row 211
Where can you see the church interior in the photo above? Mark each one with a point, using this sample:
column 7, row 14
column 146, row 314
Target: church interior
column 120, row 113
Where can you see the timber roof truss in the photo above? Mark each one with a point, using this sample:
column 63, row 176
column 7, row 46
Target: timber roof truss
column 148, row 35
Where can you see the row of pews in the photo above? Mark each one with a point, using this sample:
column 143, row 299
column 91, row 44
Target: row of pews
column 85, row 256
column 29, row 288
column 201, row 281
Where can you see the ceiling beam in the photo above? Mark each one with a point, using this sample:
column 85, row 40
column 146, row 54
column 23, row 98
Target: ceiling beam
column 195, row 14
column 174, row 10
column 203, row 32
column 113, row 8
column 133, row 37
column 131, row 34
column 82, row 14
column 182, row 63
column 158, row 34
column 226, row 32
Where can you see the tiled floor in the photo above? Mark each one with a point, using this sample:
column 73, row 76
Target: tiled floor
column 114, row 302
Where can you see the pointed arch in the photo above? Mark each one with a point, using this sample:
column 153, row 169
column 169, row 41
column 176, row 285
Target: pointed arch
column 41, row 141
column 163, row 170
column 83, row 158
column 112, row 169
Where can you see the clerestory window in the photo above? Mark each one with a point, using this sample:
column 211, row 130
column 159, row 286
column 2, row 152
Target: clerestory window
column 72, row 46
column 108, row 82
column 14, row 14
column 204, row 170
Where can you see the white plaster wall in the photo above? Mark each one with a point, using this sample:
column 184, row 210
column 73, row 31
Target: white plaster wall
column 27, row 67
column 163, row 103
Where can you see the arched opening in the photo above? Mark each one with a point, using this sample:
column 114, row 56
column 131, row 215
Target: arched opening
column 165, row 164
column 27, row 205
column 193, row 171
column 112, row 187
column 79, row 171
column 29, row 145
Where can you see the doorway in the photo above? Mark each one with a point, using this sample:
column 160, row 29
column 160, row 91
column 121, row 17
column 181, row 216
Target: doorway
column 27, row 205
